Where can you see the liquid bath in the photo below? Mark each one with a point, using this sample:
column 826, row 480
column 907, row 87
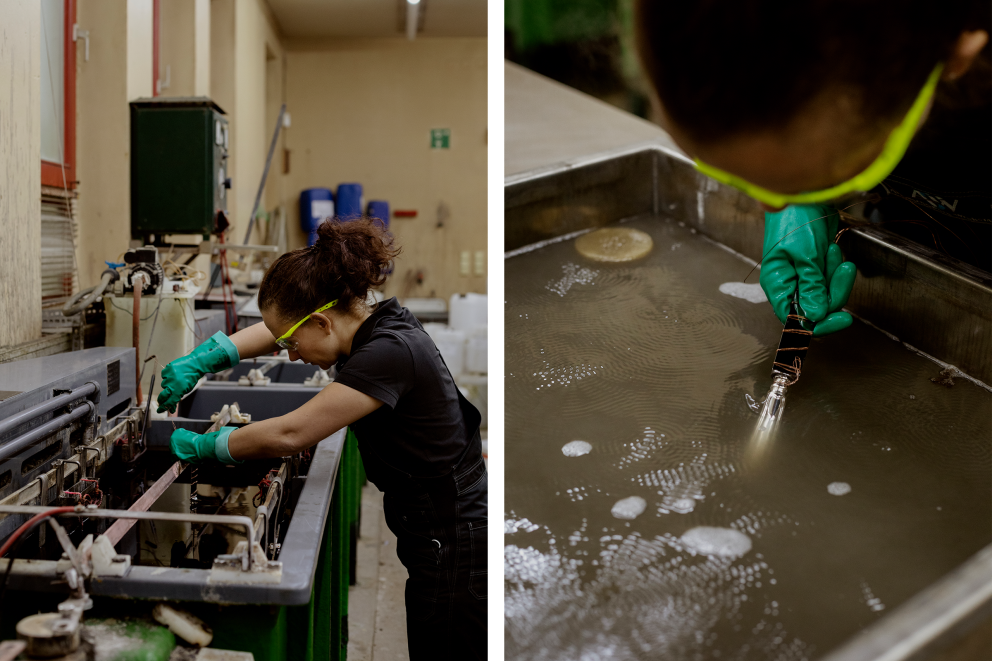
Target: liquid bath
column 649, row 362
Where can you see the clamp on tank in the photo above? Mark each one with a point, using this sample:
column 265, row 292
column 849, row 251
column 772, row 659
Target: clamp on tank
column 787, row 367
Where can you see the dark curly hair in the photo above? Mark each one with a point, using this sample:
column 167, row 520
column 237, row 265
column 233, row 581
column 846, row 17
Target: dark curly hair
column 348, row 259
column 723, row 67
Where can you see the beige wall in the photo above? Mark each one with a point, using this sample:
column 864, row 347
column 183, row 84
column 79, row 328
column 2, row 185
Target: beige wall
column 184, row 48
column 362, row 111
column 20, row 171
column 243, row 32
column 104, row 85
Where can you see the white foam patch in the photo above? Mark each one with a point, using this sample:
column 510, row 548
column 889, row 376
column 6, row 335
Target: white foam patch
column 839, row 488
column 629, row 508
column 573, row 274
column 576, row 448
column 721, row 542
column 752, row 293
column 511, row 526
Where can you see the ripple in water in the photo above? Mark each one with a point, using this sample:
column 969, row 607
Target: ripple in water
column 563, row 376
column 629, row 508
column 576, row 448
column 839, row 488
column 719, row 542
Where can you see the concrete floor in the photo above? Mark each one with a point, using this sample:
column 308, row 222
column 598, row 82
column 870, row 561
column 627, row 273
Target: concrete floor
column 376, row 611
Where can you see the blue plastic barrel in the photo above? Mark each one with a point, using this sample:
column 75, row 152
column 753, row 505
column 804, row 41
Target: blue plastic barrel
column 316, row 205
column 349, row 201
column 379, row 209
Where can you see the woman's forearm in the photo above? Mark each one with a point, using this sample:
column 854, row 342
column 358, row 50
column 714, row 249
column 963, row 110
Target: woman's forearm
column 254, row 341
column 333, row 408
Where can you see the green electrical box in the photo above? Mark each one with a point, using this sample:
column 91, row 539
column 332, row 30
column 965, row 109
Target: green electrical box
column 179, row 182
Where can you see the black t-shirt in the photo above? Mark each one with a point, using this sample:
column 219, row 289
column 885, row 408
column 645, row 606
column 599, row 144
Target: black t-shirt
column 421, row 430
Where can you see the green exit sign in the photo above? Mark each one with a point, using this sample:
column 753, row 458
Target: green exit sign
column 440, row 138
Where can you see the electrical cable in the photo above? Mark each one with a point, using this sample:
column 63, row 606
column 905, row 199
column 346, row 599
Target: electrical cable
column 15, row 540
column 150, row 314
column 30, row 523
column 148, row 349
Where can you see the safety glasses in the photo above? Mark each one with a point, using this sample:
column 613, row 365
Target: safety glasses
column 895, row 148
column 285, row 341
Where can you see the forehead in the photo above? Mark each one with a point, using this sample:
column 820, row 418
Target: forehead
column 274, row 323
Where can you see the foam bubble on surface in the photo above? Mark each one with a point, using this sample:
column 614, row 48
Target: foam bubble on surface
column 564, row 375
column 576, row 448
column 869, row 598
column 752, row 293
column 629, row 508
column 721, row 542
column 573, row 274
column 614, row 244
column 839, row 488
column 511, row 526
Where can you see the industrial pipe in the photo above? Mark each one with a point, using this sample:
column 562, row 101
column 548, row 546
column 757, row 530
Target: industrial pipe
column 184, row 517
column 15, row 421
column 19, row 443
column 137, row 282
column 82, row 300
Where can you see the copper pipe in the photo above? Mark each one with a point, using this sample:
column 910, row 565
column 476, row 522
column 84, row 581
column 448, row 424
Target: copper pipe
column 136, row 283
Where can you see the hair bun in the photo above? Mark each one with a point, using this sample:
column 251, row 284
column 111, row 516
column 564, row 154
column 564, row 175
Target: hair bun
column 348, row 259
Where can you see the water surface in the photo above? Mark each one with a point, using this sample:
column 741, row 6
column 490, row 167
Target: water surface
column 649, row 362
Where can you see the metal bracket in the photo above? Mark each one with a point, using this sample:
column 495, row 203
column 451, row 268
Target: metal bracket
column 78, row 34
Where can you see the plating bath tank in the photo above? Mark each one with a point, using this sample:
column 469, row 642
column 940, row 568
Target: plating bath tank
column 71, row 437
column 671, row 530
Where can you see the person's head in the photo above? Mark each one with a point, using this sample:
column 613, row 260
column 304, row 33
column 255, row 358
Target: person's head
column 798, row 96
column 348, row 259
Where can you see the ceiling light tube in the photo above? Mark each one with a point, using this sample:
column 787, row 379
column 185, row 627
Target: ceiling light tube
column 412, row 10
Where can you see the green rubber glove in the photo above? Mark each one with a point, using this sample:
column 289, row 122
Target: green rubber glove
column 178, row 377
column 193, row 447
column 799, row 251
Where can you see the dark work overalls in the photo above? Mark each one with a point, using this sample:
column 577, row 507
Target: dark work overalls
column 441, row 528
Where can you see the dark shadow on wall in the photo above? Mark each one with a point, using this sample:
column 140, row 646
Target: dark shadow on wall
column 585, row 44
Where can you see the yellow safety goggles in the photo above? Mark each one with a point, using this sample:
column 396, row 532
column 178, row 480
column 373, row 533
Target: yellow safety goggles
column 290, row 343
column 895, row 148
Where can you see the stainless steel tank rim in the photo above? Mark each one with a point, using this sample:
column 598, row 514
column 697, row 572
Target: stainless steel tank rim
column 593, row 159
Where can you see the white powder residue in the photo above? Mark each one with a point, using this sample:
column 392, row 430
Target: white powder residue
column 576, row 448
column 839, row 488
column 573, row 275
column 722, row 542
column 753, row 293
column 629, row 508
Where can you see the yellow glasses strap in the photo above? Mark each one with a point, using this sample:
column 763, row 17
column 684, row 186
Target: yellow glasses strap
column 895, row 148
column 300, row 322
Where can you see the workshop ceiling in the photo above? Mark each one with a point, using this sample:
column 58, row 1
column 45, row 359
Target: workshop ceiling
column 378, row 18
